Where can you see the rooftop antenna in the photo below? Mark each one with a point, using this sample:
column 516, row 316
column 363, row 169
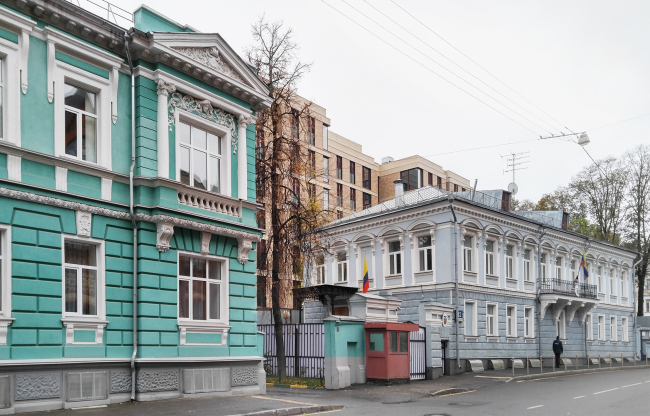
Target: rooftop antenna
column 515, row 162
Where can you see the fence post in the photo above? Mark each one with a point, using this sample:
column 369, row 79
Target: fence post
column 598, row 360
column 588, row 362
column 296, row 359
column 622, row 360
column 527, row 368
column 564, row 362
column 513, row 367
column 541, row 364
column 576, row 361
column 610, row 360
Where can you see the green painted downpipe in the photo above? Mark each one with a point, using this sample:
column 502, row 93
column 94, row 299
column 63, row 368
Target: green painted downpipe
column 127, row 39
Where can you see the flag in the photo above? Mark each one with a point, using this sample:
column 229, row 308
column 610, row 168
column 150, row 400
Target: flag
column 583, row 264
column 366, row 283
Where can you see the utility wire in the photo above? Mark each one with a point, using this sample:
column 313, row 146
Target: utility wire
column 442, row 66
column 462, row 68
column 427, row 68
column 619, row 122
column 476, row 63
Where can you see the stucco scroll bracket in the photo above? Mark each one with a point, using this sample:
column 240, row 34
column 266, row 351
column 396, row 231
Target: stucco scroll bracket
column 558, row 307
column 544, row 304
column 244, row 247
column 571, row 311
column 164, row 233
column 205, row 242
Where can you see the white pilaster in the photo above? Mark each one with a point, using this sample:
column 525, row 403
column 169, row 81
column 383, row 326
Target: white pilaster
column 61, row 176
column 14, row 164
column 162, row 128
column 242, row 162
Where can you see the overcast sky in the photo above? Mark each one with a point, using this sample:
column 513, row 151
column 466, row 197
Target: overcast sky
column 585, row 63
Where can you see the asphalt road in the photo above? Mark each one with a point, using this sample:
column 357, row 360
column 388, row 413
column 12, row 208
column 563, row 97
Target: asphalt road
column 625, row 392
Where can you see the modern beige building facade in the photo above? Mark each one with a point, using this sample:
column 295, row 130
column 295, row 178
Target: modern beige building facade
column 416, row 172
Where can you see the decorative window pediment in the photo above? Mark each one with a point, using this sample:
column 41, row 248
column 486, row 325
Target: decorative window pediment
column 210, row 57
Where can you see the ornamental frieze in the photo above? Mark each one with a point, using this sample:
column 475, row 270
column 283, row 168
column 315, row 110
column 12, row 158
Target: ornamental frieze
column 210, row 57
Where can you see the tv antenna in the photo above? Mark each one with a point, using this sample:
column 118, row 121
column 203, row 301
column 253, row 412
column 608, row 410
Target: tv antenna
column 515, row 162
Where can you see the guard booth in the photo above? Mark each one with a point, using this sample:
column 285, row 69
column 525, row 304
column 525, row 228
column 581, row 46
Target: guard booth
column 388, row 351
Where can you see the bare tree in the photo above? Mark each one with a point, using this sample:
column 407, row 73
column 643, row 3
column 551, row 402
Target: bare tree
column 284, row 170
column 637, row 162
column 603, row 188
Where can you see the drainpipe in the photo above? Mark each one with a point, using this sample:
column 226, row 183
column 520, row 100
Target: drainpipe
column 455, row 245
column 127, row 39
column 634, row 303
column 586, row 344
column 539, row 275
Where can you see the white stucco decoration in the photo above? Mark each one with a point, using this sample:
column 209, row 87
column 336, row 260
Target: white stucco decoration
column 164, row 233
column 84, row 221
column 211, row 58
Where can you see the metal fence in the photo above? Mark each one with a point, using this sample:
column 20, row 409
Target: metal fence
column 304, row 349
column 568, row 287
column 418, row 354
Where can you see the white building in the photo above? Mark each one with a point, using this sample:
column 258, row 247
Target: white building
column 513, row 274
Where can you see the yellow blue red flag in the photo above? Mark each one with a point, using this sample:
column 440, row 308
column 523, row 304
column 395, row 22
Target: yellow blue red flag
column 583, row 264
column 366, row 283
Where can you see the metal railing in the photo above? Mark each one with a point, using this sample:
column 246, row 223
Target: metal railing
column 106, row 10
column 568, row 287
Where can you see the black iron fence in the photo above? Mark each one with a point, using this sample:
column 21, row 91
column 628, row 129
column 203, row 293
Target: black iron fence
column 568, row 287
column 304, row 349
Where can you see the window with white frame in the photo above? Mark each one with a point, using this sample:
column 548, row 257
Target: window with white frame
column 202, row 288
column 589, row 325
column 425, row 253
column 468, row 254
column 560, row 326
column 342, row 266
column 527, row 265
column 491, row 320
column 612, row 286
column 613, row 329
column 394, row 258
column 624, row 329
column 200, row 158
column 558, row 267
column 320, row 270
column 623, row 281
column 529, row 322
column 511, row 321
column 80, row 122
column 471, row 316
column 510, row 262
column 326, row 169
column 601, row 327
column 572, row 266
column 2, row 62
column 489, row 258
column 3, row 275
column 601, row 280
column 81, row 265
column 543, row 262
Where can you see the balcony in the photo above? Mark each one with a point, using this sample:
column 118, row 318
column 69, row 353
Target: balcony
column 567, row 287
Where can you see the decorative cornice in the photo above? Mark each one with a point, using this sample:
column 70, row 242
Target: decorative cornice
column 107, row 212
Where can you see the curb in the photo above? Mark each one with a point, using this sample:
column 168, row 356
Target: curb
column 584, row 371
column 290, row 411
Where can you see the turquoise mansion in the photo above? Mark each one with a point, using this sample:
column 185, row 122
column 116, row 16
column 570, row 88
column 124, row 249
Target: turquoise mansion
column 127, row 210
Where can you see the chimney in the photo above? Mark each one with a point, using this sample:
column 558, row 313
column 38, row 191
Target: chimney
column 399, row 192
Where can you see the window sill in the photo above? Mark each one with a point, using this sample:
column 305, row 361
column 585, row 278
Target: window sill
column 84, row 323
column 512, row 280
column 473, row 274
column 344, row 282
column 529, row 339
column 471, row 338
column 203, row 327
column 492, row 338
column 423, row 273
column 512, row 339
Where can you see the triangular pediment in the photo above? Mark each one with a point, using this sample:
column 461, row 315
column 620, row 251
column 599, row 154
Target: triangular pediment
column 206, row 56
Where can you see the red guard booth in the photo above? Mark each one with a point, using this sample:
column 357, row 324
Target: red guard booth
column 388, row 351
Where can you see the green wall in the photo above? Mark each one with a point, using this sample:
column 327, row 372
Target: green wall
column 344, row 338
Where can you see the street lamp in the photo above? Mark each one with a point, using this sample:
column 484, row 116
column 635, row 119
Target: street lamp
column 583, row 140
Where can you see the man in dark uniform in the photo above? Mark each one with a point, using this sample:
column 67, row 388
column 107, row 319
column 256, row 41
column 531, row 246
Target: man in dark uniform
column 558, row 349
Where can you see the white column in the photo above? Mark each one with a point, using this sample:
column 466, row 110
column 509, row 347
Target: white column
column 242, row 162
column 162, row 128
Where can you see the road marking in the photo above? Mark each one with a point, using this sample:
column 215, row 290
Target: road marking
column 505, row 378
column 453, row 394
column 282, row 400
column 535, row 407
column 88, row 407
column 579, row 397
column 630, row 385
column 605, row 391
